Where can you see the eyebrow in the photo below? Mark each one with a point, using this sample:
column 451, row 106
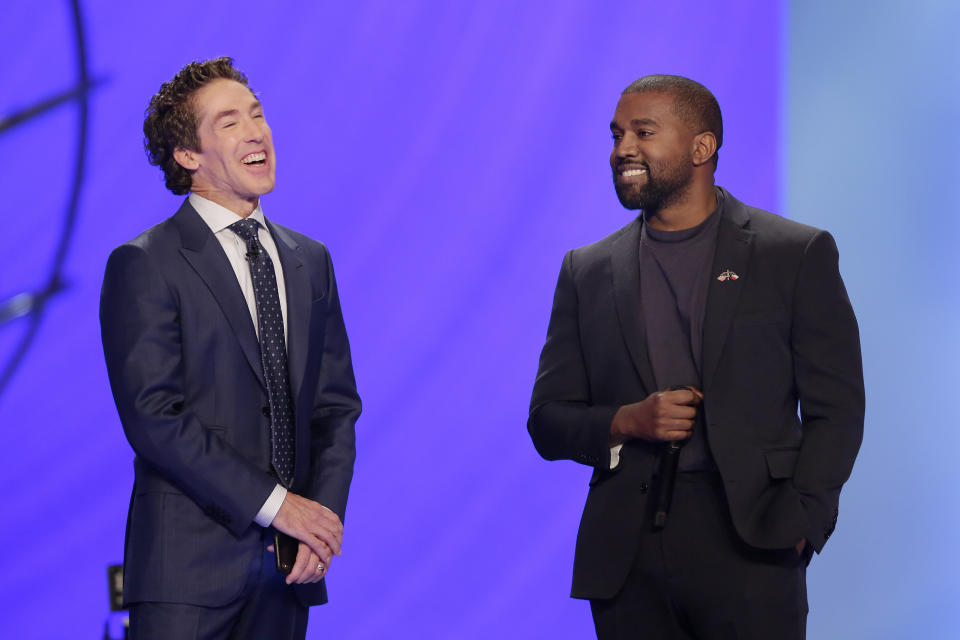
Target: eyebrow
column 225, row 113
column 233, row 112
column 637, row 122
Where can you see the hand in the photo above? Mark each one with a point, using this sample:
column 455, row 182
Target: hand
column 800, row 546
column 306, row 568
column 312, row 524
column 662, row 417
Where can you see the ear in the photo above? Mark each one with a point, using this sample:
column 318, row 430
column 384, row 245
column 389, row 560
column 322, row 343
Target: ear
column 704, row 146
column 186, row 158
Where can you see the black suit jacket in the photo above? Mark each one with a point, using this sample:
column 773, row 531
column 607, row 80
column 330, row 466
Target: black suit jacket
column 185, row 370
column 780, row 335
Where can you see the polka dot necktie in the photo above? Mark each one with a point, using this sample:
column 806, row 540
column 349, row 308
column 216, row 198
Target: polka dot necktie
column 273, row 349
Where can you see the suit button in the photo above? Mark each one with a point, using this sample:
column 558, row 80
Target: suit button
column 643, row 487
column 266, row 411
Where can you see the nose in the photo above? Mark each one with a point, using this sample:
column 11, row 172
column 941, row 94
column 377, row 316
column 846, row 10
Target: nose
column 626, row 147
column 252, row 132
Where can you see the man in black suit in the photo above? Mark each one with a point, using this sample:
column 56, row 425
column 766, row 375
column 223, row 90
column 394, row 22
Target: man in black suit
column 704, row 322
column 230, row 367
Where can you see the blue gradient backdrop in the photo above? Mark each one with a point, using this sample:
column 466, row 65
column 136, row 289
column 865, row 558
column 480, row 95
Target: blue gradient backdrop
column 448, row 154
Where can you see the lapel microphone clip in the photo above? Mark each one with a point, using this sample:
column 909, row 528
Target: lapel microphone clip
column 253, row 250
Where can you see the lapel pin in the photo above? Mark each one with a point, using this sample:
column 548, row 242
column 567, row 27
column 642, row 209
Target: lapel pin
column 728, row 275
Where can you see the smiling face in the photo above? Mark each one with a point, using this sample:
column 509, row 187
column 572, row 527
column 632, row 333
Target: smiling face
column 235, row 163
column 653, row 152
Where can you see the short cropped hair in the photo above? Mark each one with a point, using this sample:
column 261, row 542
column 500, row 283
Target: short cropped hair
column 171, row 119
column 692, row 102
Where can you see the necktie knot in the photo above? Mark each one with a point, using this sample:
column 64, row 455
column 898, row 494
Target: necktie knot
column 246, row 228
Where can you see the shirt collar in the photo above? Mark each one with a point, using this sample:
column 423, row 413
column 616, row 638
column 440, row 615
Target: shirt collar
column 219, row 217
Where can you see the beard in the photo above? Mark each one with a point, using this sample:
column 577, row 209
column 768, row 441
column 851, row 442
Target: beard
column 666, row 184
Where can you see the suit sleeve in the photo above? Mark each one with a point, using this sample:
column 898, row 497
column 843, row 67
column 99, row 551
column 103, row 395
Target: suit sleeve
column 563, row 422
column 140, row 329
column 335, row 410
column 829, row 378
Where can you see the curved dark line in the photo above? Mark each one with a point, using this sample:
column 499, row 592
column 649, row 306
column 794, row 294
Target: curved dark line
column 54, row 282
column 78, row 168
column 40, row 108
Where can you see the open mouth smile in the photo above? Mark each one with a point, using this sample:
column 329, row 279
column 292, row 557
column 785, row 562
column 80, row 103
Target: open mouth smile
column 257, row 159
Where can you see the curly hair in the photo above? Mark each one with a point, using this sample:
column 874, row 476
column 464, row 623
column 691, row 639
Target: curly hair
column 692, row 102
column 171, row 119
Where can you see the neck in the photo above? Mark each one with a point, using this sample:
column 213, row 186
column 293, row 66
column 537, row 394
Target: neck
column 240, row 206
column 691, row 209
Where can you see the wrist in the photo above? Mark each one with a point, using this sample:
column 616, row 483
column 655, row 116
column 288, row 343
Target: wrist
column 617, row 435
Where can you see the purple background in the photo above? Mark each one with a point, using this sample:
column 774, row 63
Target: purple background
column 449, row 154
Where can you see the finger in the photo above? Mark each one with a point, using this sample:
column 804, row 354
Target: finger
column 315, row 569
column 303, row 519
column 270, row 548
column 320, row 569
column 320, row 548
column 307, row 572
column 686, row 397
column 677, row 426
column 332, row 538
column 674, row 424
column 679, row 411
column 333, row 523
column 674, row 436
column 307, row 566
column 326, row 525
column 295, row 571
column 300, row 565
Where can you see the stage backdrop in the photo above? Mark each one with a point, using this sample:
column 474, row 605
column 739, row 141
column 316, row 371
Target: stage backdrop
column 871, row 112
column 449, row 154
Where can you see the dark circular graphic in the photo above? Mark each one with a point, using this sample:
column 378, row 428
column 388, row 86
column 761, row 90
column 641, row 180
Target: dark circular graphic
column 29, row 305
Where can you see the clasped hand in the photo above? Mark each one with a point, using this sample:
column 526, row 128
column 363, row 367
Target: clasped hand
column 662, row 416
column 319, row 531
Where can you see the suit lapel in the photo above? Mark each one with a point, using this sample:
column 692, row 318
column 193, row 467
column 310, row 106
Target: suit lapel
column 299, row 298
column 734, row 247
column 625, row 262
column 207, row 258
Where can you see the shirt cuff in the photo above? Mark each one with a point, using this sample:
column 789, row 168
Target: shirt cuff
column 270, row 508
column 615, row 456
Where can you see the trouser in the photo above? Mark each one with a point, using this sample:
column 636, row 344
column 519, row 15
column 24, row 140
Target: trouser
column 697, row 580
column 267, row 608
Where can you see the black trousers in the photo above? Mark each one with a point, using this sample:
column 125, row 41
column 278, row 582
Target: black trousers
column 267, row 608
column 696, row 580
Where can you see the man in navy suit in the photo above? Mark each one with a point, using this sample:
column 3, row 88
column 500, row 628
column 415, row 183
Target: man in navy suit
column 207, row 405
column 704, row 322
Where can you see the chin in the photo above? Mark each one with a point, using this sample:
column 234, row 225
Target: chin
column 630, row 198
column 264, row 187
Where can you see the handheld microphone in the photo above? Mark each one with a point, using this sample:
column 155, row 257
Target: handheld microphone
column 668, row 474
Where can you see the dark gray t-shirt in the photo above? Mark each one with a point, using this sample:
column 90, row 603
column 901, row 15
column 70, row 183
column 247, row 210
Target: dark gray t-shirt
column 674, row 277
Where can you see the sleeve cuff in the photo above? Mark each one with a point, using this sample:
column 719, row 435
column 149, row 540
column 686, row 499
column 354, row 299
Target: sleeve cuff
column 270, row 508
column 615, row 456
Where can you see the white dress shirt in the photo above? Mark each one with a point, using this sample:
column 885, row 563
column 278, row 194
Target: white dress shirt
column 219, row 218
